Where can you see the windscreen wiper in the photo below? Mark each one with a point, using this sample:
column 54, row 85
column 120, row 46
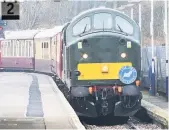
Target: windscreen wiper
column 83, row 30
column 121, row 30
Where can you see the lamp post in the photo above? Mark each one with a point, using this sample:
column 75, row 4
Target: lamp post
column 140, row 15
column 167, row 39
column 153, row 88
column 166, row 31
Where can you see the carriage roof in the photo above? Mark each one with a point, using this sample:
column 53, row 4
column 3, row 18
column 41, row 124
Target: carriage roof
column 47, row 33
column 30, row 34
column 23, row 34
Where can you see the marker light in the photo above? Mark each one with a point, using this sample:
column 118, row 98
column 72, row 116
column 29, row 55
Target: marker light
column 123, row 55
column 104, row 68
column 85, row 56
column 119, row 89
column 90, row 90
column 137, row 83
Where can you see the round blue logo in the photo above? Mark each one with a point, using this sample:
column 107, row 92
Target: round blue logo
column 127, row 74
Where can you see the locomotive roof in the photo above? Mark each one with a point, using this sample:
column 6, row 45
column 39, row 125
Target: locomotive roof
column 47, row 33
column 90, row 13
column 23, row 34
column 99, row 9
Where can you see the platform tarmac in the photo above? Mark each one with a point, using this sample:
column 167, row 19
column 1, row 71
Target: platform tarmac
column 33, row 101
column 157, row 108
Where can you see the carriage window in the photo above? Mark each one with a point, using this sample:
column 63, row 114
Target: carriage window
column 22, row 48
column 81, row 25
column 4, row 48
column 19, row 47
column 44, row 44
column 103, row 20
column 14, row 48
column 54, row 42
column 123, row 25
column 47, row 45
column 27, row 48
column 9, row 48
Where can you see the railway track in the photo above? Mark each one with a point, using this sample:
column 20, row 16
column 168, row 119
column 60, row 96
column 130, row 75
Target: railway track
column 132, row 123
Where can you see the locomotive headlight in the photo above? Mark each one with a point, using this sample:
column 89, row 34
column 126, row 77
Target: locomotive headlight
column 85, row 56
column 104, row 69
column 123, row 55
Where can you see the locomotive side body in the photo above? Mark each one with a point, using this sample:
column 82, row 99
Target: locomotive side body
column 101, row 63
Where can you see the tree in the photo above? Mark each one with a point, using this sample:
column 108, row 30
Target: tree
column 29, row 16
column 47, row 14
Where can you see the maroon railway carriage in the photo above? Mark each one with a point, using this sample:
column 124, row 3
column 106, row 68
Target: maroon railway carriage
column 17, row 50
column 38, row 50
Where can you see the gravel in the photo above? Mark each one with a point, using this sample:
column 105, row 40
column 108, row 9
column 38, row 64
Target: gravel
column 124, row 126
column 94, row 127
column 148, row 126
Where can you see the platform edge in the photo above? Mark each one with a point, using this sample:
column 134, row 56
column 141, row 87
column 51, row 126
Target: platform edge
column 157, row 113
column 73, row 115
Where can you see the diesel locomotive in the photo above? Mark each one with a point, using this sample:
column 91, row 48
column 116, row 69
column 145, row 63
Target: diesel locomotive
column 101, row 63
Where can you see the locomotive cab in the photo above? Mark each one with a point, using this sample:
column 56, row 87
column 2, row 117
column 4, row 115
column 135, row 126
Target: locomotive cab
column 102, row 63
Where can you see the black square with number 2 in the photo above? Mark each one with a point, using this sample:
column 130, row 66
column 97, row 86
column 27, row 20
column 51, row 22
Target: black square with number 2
column 10, row 11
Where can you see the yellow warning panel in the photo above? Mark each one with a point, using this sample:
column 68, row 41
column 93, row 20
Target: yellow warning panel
column 95, row 71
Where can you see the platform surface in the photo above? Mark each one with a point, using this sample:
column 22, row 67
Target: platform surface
column 33, row 101
column 157, row 107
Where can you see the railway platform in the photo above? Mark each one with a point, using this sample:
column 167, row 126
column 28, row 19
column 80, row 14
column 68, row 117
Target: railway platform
column 157, row 108
column 33, row 101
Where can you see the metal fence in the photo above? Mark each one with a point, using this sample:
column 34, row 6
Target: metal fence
column 160, row 68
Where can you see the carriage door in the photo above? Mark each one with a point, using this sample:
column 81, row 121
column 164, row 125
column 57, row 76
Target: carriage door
column 45, row 50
